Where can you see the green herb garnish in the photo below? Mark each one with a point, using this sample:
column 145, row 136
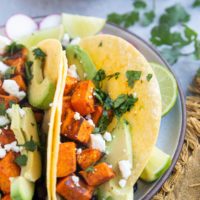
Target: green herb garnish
column 149, row 77
column 99, row 76
column 139, row 4
column 9, row 72
column 103, row 122
column 132, row 76
column 115, row 75
column 196, row 3
column 30, row 145
column 89, row 169
column 148, row 18
column 11, row 103
column 13, row 48
column 21, row 160
column 28, row 72
column 2, row 109
column 100, row 44
column 39, row 54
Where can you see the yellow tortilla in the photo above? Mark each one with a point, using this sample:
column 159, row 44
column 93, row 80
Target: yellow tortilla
column 117, row 55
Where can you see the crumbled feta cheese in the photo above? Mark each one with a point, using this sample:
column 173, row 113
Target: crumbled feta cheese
column 4, row 120
column 3, row 68
column 12, row 146
column 122, row 183
column 135, row 95
column 110, row 166
column 12, row 88
column 88, row 116
column 125, row 168
column 107, row 136
column 11, row 179
column 90, row 121
column 97, row 142
column 2, row 153
column 22, row 112
column 51, row 104
column 65, row 40
column 76, row 180
column 77, row 116
column 79, row 151
column 72, row 71
column 75, row 41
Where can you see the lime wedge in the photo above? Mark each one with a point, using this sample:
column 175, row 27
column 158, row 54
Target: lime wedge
column 157, row 165
column 82, row 26
column 168, row 87
column 50, row 33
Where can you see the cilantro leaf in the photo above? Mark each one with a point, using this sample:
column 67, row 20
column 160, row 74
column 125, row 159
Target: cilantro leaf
column 9, row 72
column 2, row 109
column 99, row 76
column 198, row 73
column 103, row 122
column 139, row 4
column 148, row 18
column 190, row 34
column 149, row 77
column 133, row 76
column 115, row 75
column 196, row 3
column 28, row 72
column 21, row 160
column 39, row 54
column 89, row 169
column 30, row 145
column 13, row 48
column 197, row 49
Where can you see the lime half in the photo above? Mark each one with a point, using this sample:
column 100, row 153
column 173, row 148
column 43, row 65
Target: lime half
column 157, row 165
column 82, row 26
column 168, row 87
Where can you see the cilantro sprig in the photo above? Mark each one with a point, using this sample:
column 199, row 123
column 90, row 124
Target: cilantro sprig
column 132, row 77
column 13, row 48
column 39, row 54
column 28, row 72
column 30, row 145
column 21, row 160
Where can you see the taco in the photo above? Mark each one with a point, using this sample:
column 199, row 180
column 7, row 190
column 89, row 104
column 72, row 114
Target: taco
column 107, row 120
column 29, row 87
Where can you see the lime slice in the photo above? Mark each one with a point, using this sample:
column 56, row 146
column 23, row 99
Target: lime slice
column 50, row 33
column 157, row 165
column 168, row 87
column 82, row 26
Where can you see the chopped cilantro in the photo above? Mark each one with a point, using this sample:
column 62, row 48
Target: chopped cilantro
column 139, row 4
column 148, row 18
column 2, row 109
column 197, row 49
column 115, row 75
column 109, row 198
column 123, row 103
column 13, row 48
column 198, row 73
column 149, row 77
column 103, row 122
column 196, row 3
column 9, row 72
column 99, row 76
column 21, row 160
column 39, row 54
column 11, row 103
column 89, row 169
column 100, row 44
column 30, row 145
column 28, row 72
column 132, row 76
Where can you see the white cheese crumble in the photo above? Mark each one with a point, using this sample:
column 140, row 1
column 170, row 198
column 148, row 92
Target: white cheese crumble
column 97, row 142
column 75, row 41
column 135, row 95
column 3, row 68
column 72, row 71
column 12, row 88
column 122, row 183
column 79, row 151
column 90, row 121
column 51, row 105
column 22, row 112
column 75, row 179
column 107, row 136
column 9, row 112
column 4, row 120
column 125, row 168
column 2, row 153
column 77, row 116
column 65, row 40
column 110, row 166
column 12, row 146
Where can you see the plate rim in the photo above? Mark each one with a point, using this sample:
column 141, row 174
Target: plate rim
column 162, row 180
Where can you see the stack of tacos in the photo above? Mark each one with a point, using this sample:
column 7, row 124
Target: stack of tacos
column 80, row 122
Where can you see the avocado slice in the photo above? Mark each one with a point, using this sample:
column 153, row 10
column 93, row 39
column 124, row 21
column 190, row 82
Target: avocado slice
column 41, row 90
column 22, row 189
column 77, row 56
column 121, row 138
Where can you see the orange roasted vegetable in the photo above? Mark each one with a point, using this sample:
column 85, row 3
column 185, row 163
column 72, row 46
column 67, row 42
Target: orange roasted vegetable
column 20, row 81
column 70, row 85
column 96, row 115
column 1, row 89
column 100, row 174
column 8, row 168
column 82, row 99
column 66, row 106
column 7, row 99
column 88, row 157
column 6, row 197
column 71, row 190
column 78, row 130
column 6, row 137
column 68, row 118
column 66, row 159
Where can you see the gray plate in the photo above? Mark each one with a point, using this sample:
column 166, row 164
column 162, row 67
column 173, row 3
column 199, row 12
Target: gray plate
column 173, row 125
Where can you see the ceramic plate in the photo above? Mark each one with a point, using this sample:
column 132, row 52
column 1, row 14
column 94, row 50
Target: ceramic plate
column 172, row 131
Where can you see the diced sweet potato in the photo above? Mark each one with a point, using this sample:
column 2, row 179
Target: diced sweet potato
column 1, row 89
column 88, row 157
column 6, row 197
column 66, row 106
column 71, row 190
column 101, row 173
column 66, row 159
column 78, row 130
column 8, row 168
column 20, row 81
column 82, row 99
column 68, row 118
column 96, row 115
column 6, row 137
column 6, row 99
column 70, row 85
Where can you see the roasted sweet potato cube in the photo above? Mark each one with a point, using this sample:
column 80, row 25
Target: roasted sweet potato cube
column 100, row 174
column 78, row 130
column 96, row 115
column 6, row 197
column 67, row 121
column 8, row 168
column 88, row 157
column 82, row 99
column 2, row 92
column 66, row 105
column 7, row 99
column 71, row 190
column 66, row 159
column 6, row 137
column 70, row 85
column 20, row 81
